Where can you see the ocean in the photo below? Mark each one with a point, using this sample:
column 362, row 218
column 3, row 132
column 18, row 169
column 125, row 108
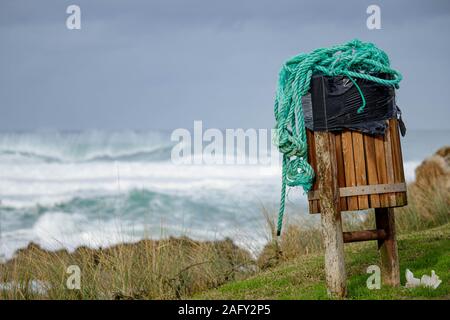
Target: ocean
column 94, row 188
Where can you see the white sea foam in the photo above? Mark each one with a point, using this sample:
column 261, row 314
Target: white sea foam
column 409, row 167
column 97, row 189
column 51, row 183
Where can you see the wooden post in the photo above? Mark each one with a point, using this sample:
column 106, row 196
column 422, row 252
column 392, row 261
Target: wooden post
column 330, row 214
column 390, row 269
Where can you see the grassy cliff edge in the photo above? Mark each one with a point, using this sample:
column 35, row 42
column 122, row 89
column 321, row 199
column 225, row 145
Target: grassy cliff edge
column 303, row 278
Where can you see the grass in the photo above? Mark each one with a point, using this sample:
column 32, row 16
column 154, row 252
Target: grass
column 293, row 265
column 287, row 268
column 167, row 269
column 428, row 207
column 303, row 277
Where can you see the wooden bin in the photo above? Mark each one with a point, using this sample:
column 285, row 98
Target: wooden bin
column 370, row 170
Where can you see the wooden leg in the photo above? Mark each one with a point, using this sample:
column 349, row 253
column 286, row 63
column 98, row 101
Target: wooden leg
column 390, row 269
column 330, row 215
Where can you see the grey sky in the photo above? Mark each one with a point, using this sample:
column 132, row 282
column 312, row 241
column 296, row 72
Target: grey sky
column 164, row 64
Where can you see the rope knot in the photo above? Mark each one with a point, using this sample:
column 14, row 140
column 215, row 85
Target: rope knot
column 289, row 144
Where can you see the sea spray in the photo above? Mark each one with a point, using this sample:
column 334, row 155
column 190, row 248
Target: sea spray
column 60, row 189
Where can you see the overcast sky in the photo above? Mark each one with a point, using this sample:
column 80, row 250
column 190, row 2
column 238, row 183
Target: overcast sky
column 163, row 64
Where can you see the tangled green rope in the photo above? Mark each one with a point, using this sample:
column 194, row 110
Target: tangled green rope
column 354, row 59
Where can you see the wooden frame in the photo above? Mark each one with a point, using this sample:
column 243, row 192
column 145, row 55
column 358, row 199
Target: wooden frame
column 369, row 173
column 364, row 162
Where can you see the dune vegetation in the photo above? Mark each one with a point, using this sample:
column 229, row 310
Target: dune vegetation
column 290, row 267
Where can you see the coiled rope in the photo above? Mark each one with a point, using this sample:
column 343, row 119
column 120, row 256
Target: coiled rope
column 355, row 59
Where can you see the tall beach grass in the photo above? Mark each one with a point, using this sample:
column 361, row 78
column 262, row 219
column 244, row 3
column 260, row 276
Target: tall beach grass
column 177, row 268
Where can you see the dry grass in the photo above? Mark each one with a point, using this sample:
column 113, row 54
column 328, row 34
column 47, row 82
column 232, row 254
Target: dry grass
column 176, row 268
column 168, row 269
column 428, row 207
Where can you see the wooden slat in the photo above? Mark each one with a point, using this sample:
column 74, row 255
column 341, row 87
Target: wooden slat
column 340, row 168
column 349, row 165
column 381, row 167
column 368, row 189
column 364, row 160
column 360, row 167
column 399, row 175
column 369, row 146
column 389, row 165
column 313, row 204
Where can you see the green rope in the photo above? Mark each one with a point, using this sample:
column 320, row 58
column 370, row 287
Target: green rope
column 354, row 59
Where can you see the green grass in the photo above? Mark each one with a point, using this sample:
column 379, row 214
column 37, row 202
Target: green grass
column 303, row 277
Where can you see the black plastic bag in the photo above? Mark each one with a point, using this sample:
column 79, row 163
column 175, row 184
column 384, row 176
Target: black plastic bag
column 333, row 103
